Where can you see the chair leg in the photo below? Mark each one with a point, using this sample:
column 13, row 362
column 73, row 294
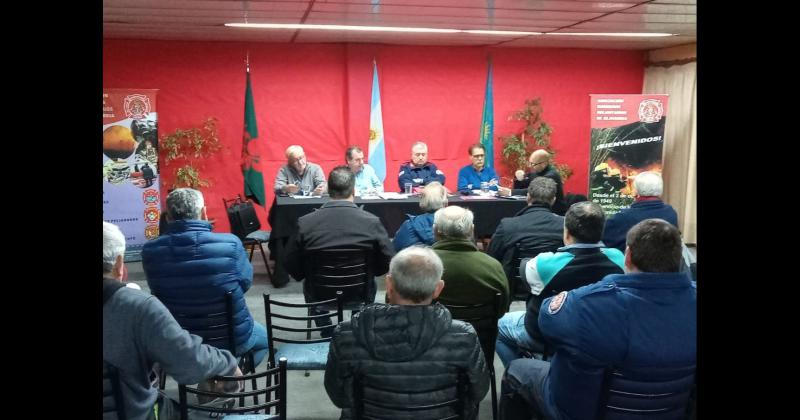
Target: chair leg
column 252, row 249
column 264, row 257
column 494, row 391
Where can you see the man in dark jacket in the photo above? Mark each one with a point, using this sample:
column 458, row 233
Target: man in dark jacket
column 418, row 171
column 648, row 187
column 339, row 223
column 582, row 261
column 407, row 345
column 190, row 268
column 534, row 227
column 418, row 229
column 637, row 322
column 540, row 166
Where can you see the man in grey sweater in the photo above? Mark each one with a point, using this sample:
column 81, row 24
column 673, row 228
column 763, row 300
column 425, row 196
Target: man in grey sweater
column 138, row 331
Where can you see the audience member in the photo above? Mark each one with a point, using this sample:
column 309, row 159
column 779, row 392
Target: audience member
column 539, row 161
column 583, row 260
column 418, row 229
column 418, row 171
column 635, row 322
column 407, row 344
column 367, row 182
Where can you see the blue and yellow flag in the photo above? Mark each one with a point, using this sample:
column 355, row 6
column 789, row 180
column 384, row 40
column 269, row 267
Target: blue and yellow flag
column 377, row 152
column 487, row 124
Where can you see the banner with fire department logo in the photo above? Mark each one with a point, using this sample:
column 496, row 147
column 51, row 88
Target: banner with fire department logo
column 130, row 165
column 627, row 137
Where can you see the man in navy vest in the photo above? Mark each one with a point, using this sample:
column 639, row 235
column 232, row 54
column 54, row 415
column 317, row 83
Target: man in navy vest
column 418, row 171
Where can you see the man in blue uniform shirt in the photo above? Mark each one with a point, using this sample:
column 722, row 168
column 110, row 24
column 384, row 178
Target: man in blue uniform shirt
column 471, row 176
column 418, row 171
column 634, row 322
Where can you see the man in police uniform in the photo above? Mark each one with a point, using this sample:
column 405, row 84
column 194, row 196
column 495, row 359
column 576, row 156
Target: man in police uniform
column 418, row 171
column 646, row 318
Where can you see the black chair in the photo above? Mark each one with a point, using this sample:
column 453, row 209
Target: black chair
column 275, row 385
column 652, row 394
column 483, row 318
column 370, row 396
column 112, row 392
column 345, row 270
column 250, row 234
column 303, row 353
column 520, row 289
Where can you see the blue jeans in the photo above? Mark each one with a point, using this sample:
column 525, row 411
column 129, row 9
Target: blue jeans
column 512, row 336
column 522, row 391
column 257, row 343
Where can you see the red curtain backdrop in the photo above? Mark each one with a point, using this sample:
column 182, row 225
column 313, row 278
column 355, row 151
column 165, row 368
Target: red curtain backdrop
column 318, row 96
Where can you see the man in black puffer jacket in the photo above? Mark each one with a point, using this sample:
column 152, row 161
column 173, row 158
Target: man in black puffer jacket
column 407, row 344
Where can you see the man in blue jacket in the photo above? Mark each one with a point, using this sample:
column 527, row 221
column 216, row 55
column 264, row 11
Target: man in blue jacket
column 648, row 187
column 635, row 322
column 418, row 171
column 190, row 269
column 419, row 229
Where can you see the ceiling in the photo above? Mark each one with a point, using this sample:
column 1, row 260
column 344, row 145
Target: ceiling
column 202, row 20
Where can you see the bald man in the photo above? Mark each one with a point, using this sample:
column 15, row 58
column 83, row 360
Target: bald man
column 539, row 162
column 299, row 174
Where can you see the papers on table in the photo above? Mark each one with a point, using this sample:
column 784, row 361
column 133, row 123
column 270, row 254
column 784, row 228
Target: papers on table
column 391, row 195
column 478, row 197
column 299, row 197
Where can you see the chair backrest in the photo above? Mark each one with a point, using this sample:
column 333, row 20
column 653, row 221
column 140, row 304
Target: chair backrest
column 370, row 398
column 520, row 289
column 346, row 269
column 483, row 317
column 215, row 327
column 112, row 392
column 274, row 393
column 241, row 216
column 279, row 321
column 651, row 394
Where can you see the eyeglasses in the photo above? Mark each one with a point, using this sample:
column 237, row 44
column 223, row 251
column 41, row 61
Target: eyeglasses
column 478, row 156
column 536, row 164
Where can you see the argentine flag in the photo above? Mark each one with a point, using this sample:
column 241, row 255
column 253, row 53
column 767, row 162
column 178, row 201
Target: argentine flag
column 377, row 152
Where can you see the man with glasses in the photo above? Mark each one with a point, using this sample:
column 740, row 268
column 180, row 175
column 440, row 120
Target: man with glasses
column 539, row 162
column 299, row 174
column 472, row 176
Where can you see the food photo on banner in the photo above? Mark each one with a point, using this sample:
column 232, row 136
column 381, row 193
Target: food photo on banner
column 627, row 138
column 131, row 198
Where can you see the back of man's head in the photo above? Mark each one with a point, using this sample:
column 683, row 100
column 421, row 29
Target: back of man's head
column 341, row 183
column 415, row 272
column 113, row 246
column 542, row 190
column 655, row 246
column 585, row 222
column 185, row 204
column 648, row 184
column 453, row 222
column 433, row 197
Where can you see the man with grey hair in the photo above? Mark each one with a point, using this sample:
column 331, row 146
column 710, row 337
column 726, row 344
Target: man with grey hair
column 191, row 268
column 139, row 331
column 418, row 171
column 418, row 229
column 470, row 276
column 299, row 174
column 407, row 344
column 535, row 228
column 647, row 204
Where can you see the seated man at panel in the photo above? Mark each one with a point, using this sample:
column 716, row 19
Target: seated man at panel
column 647, row 204
column 407, row 344
column 299, row 174
column 535, row 226
column 583, row 260
column 470, row 276
column 339, row 223
column 419, row 229
column 418, row 171
column 367, row 182
column 138, row 332
column 190, row 268
column 472, row 176
column 635, row 322
column 540, row 165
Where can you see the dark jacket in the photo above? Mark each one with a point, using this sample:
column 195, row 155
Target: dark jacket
column 339, row 224
column 418, row 176
column 405, row 348
column 415, row 230
column 631, row 322
column 521, row 187
column 190, row 269
column 618, row 225
column 534, row 226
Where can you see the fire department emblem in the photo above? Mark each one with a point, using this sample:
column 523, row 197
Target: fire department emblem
column 650, row 110
column 150, row 197
column 151, row 215
column 136, row 106
column 151, row 232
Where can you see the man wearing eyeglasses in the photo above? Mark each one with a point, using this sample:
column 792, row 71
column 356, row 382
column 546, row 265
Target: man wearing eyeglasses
column 539, row 162
column 472, row 176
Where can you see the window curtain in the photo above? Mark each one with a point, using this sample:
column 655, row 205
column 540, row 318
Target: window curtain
column 680, row 146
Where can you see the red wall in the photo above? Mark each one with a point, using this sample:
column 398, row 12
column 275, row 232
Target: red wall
column 317, row 95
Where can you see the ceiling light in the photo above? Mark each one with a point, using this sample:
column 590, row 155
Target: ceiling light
column 340, row 27
column 482, row 32
column 628, row 34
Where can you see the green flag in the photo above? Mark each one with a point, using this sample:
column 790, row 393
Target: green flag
column 487, row 124
column 253, row 179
